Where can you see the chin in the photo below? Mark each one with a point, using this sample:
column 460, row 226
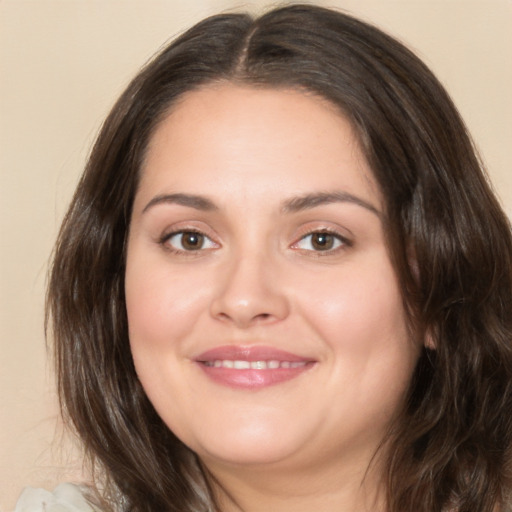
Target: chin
column 251, row 445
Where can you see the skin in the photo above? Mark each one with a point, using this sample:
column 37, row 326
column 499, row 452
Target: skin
column 257, row 279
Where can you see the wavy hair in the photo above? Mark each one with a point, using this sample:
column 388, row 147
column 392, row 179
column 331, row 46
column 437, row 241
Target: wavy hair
column 449, row 241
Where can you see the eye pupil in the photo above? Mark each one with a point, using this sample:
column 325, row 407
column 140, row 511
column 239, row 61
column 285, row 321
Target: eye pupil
column 322, row 241
column 192, row 241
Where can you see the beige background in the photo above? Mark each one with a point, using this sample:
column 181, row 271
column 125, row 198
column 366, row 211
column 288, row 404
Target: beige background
column 62, row 64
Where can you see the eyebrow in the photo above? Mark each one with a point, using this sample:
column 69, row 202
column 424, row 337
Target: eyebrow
column 295, row 204
column 308, row 201
column 190, row 200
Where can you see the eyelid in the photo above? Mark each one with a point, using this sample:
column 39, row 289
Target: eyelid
column 344, row 241
column 180, row 230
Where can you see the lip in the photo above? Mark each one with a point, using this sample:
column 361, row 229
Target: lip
column 252, row 378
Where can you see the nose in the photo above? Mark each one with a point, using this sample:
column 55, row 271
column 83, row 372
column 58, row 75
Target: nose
column 249, row 294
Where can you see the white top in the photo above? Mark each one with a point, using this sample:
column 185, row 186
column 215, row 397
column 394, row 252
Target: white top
column 65, row 498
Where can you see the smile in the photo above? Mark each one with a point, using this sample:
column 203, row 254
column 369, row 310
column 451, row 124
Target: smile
column 251, row 367
column 254, row 365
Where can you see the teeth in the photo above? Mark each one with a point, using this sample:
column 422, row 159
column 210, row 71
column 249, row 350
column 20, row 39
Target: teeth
column 239, row 365
column 254, row 365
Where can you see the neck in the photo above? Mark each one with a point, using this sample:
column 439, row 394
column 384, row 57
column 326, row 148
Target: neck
column 252, row 489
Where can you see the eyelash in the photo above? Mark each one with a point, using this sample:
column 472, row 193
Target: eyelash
column 165, row 241
column 342, row 242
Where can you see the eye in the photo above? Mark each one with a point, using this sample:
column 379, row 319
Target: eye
column 187, row 241
column 320, row 241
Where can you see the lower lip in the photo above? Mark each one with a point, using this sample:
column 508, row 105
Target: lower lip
column 251, row 378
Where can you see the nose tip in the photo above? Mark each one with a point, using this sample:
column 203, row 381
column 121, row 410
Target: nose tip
column 247, row 297
column 242, row 317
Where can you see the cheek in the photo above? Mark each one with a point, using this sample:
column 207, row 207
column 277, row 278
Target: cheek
column 162, row 306
column 366, row 302
column 162, row 309
column 363, row 323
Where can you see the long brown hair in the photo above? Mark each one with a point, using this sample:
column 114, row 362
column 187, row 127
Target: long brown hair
column 448, row 237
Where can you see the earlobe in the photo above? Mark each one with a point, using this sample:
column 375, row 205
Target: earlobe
column 428, row 338
column 429, row 341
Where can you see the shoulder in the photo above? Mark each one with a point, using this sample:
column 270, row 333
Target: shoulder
column 65, row 498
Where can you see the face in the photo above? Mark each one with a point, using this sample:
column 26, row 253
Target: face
column 265, row 318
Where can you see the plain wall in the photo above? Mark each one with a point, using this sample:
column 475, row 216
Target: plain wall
column 63, row 63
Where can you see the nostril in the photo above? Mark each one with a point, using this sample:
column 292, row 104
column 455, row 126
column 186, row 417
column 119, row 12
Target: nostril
column 263, row 318
column 245, row 320
column 250, row 305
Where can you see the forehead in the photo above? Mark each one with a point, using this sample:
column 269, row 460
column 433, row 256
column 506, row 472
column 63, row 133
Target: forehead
column 248, row 136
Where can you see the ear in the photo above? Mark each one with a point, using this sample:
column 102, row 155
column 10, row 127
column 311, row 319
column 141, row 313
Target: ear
column 429, row 342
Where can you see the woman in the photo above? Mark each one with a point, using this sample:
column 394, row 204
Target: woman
column 284, row 282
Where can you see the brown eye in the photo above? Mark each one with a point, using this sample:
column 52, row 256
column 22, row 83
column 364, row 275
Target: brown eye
column 187, row 241
column 322, row 241
column 192, row 241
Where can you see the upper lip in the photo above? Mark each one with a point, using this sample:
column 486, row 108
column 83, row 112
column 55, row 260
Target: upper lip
column 249, row 353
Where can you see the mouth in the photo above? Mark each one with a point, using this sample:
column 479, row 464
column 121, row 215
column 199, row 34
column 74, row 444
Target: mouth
column 252, row 367
column 240, row 364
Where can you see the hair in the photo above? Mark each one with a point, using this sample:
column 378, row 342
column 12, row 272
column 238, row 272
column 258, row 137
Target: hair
column 449, row 241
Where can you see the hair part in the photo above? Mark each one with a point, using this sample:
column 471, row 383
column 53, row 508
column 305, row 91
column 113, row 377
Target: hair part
column 450, row 447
